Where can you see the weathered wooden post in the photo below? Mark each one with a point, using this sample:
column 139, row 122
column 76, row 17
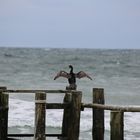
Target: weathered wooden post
column 3, row 114
column 40, row 116
column 98, row 115
column 75, row 109
column 66, row 116
column 117, row 125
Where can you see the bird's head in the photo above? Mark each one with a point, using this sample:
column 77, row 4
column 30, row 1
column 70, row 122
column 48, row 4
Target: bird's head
column 70, row 66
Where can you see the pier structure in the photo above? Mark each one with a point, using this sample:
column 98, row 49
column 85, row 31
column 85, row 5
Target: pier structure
column 72, row 106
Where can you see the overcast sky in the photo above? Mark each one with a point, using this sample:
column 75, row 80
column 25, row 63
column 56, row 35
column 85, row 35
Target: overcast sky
column 70, row 23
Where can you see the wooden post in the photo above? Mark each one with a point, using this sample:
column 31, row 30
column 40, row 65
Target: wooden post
column 3, row 114
column 74, row 125
column 117, row 125
column 40, row 117
column 98, row 115
column 66, row 116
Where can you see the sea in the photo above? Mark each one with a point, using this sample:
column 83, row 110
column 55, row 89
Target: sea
column 115, row 70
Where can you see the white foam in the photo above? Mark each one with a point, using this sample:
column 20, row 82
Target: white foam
column 21, row 115
column 54, row 118
column 86, row 120
column 131, row 122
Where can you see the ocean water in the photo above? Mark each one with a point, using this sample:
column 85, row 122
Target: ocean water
column 117, row 71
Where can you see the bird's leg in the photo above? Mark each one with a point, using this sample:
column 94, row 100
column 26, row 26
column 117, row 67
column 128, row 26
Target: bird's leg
column 71, row 87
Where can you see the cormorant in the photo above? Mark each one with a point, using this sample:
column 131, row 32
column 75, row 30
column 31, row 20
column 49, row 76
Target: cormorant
column 71, row 76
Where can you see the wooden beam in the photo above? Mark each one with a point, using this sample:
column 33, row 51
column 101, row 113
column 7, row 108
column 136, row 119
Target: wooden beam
column 32, row 135
column 36, row 91
column 113, row 107
column 12, row 139
column 57, row 105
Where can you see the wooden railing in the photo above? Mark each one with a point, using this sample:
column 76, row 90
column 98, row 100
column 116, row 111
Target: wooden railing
column 72, row 106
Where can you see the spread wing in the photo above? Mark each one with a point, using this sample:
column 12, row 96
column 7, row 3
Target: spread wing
column 82, row 74
column 62, row 74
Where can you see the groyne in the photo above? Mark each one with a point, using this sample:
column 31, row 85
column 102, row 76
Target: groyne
column 72, row 106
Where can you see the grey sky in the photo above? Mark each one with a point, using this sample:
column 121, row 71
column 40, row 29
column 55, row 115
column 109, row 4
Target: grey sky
column 70, row 23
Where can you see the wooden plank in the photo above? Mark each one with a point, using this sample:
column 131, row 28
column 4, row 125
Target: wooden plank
column 53, row 105
column 113, row 107
column 57, row 105
column 4, row 99
column 98, row 115
column 36, row 91
column 40, row 117
column 12, row 139
column 117, row 125
column 32, row 135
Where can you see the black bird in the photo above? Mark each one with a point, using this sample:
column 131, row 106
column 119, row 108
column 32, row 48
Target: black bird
column 71, row 76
